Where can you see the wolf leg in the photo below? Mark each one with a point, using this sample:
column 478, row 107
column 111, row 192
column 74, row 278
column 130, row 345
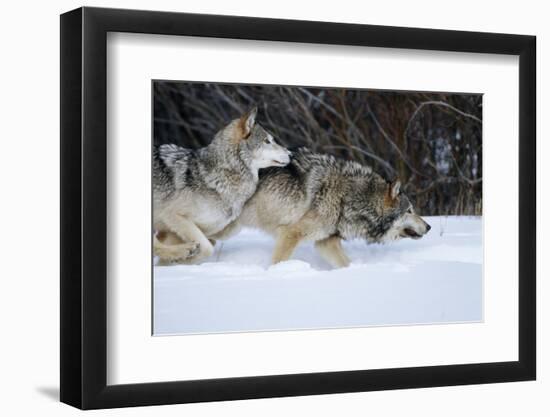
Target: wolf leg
column 188, row 231
column 168, row 238
column 287, row 240
column 331, row 250
column 174, row 253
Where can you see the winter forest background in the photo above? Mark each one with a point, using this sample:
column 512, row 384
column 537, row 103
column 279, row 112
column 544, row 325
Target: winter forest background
column 431, row 141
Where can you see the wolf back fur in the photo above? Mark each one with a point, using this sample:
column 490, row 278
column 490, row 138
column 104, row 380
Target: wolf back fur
column 321, row 198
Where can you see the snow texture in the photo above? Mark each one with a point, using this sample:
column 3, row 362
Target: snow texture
column 437, row 279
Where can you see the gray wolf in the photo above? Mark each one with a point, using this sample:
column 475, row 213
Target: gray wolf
column 323, row 199
column 197, row 193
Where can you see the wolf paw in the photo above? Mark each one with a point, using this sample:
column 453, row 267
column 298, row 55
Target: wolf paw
column 180, row 254
column 193, row 250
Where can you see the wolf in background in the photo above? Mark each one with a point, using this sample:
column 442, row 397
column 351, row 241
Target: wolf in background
column 323, row 199
column 197, row 193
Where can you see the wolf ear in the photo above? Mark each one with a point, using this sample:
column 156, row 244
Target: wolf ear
column 247, row 121
column 395, row 186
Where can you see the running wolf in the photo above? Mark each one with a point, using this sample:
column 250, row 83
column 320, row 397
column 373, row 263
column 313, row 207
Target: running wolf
column 323, row 199
column 196, row 193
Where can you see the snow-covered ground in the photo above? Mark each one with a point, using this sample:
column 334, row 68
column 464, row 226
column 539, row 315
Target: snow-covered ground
column 437, row 279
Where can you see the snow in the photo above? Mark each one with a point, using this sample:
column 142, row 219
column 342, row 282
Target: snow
column 437, row 279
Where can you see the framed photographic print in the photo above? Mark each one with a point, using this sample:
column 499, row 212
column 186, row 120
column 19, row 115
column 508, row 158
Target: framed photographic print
column 257, row 208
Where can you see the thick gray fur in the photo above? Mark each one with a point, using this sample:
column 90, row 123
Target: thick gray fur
column 196, row 193
column 321, row 198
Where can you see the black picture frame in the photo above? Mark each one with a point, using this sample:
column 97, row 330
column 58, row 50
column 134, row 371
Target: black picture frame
column 84, row 207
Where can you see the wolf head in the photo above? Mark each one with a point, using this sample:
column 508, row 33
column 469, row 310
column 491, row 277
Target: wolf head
column 406, row 223
column 255, row 145
column 378, row 211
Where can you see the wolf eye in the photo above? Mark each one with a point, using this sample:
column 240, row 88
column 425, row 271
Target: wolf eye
column 267, row 141
column 410, row 210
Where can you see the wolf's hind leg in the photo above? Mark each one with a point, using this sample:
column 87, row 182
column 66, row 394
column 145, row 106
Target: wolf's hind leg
column 168, row 238
column 331, row 250
column 286, row 242
column 188, row 231
column 170, row 254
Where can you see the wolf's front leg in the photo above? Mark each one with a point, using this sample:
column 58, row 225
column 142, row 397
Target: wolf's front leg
column 188, row 231
column 331, row 250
